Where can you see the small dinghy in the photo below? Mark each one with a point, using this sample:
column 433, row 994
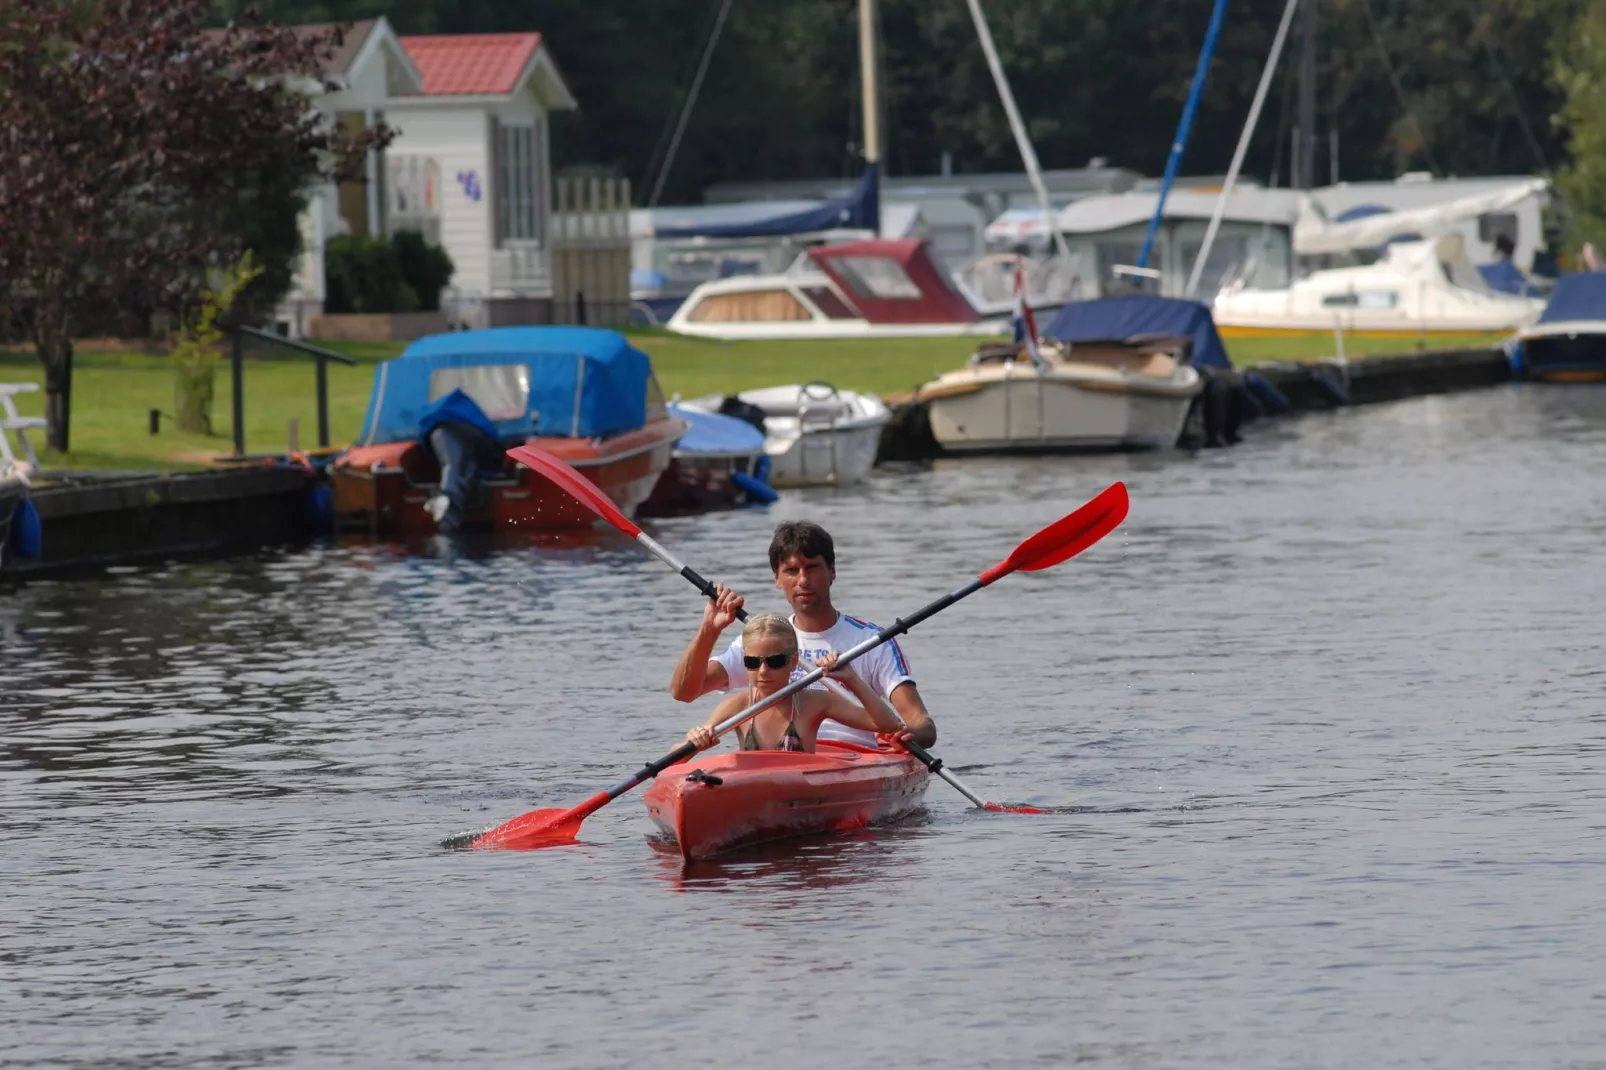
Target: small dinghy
column 814, row 433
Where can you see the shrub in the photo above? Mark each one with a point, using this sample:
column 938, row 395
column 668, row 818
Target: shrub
column 425, row 267
column 364, row 275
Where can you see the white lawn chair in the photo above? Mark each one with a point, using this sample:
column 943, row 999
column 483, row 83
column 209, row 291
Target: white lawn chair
column 10, row 422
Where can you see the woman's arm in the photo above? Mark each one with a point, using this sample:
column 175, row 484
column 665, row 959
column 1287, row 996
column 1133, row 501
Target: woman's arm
column 871, row 713
column 703, row 734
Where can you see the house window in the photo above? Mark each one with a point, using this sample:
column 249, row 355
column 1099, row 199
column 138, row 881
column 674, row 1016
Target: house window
column 520, row 175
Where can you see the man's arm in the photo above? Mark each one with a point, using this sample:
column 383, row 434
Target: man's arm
column 696, row 673
column 906, row 700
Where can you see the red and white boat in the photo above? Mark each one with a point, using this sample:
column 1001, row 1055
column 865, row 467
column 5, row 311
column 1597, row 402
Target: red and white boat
column 431, row 453
column 877, row 288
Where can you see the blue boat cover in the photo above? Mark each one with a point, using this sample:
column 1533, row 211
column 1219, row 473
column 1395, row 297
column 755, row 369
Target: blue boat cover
column 859, row 210
column 456, row 408
column 1120, row 318
column 716, row 433
column 583, row 382
column 1505, row 277
column 1577, row 297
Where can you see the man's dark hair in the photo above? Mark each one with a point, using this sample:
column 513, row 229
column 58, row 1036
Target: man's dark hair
column 801, row 537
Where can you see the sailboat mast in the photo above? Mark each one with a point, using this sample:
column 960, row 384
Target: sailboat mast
column 1307, row 98
column 867, row 79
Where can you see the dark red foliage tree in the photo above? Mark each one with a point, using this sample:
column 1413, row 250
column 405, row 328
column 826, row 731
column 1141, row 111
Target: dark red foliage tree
column 128, row 134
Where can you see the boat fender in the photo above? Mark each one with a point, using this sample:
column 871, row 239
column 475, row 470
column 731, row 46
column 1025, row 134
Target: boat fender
column 1331, row 382
column 1270, row 398
column 27, row 533
column 756, row 489
column 705, row 778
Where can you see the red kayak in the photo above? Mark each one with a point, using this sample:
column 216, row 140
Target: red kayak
column 725, row 801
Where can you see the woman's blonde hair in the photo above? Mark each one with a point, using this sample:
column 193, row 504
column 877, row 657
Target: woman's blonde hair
column 766, row 625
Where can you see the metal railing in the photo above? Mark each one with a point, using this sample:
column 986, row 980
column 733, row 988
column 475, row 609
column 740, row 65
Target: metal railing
column 320, row 356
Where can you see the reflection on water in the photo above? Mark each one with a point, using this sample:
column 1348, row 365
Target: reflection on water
column 1320, row 730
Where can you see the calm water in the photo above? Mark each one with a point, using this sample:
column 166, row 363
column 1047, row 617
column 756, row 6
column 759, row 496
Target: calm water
column 1329, row 707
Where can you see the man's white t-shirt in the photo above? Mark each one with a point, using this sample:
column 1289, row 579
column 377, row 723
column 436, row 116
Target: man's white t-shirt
column 883, row 668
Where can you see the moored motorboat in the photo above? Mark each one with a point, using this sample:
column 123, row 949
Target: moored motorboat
column 719, row 463
column 1112, row 374
column 1568, row 344
column 430, row 454
column 1417, row 289
column 723, row 802
column 814, row 433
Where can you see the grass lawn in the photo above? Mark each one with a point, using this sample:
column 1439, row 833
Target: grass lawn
column 114, row 391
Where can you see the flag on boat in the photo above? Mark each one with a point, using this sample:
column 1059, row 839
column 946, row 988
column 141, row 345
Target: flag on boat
column 1025, row 323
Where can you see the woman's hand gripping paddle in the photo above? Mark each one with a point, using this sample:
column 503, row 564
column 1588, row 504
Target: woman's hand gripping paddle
column 1060, row 541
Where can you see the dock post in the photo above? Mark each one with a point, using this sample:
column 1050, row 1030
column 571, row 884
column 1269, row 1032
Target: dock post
column 323, row 402
column 237, row 358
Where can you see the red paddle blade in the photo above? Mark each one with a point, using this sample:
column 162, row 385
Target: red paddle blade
column 578, row 486
column 538, row 828
column 997, row 809
column 1067, row 536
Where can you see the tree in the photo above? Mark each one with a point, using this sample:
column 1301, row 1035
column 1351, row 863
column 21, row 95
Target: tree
column 131, row 137
column 1581, row 72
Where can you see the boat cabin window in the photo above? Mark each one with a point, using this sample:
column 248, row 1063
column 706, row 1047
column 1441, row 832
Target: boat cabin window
column 1362, row 299
column 828, row 301
column 751, row 306
column 502, row 390
column 876, row 277
column 1492, row 225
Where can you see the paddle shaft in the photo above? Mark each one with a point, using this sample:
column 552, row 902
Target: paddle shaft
column 685, row 570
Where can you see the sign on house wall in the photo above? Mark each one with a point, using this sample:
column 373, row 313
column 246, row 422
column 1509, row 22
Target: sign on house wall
column 414, row 185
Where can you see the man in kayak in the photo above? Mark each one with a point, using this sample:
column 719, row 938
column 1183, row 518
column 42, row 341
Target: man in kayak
column 803, row 560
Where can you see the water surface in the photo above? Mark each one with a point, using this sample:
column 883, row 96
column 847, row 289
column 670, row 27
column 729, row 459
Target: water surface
column 1327, row 710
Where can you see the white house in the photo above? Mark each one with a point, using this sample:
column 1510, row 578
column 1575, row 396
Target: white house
column 370, row 68
column 470, row 168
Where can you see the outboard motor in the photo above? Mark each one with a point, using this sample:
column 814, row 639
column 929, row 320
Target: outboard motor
column 463, row 441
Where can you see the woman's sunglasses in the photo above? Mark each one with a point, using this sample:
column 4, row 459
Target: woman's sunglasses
column 774, row 661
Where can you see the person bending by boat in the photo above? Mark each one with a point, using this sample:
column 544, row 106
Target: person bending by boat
column 793, row 724
column 803, row 560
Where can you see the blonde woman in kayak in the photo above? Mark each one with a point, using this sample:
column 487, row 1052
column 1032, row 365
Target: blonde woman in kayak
column 769, row 645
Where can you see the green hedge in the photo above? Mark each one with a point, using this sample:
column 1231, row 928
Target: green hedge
column 375, row 275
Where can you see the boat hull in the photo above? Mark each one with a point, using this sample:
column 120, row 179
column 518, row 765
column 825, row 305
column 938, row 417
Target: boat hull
column 750, row 797
column 383, row 488
column 695, row 483
column 1563, row 353
column 817, row 435
column 1014, row 409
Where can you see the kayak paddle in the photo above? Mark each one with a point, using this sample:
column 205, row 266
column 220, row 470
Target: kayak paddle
column 1060, row 541
column 590, row 495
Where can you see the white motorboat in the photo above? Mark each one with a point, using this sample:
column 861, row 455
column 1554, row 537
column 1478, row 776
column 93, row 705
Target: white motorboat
column 1417, row 288
column 814, row 433
column 1100, row 395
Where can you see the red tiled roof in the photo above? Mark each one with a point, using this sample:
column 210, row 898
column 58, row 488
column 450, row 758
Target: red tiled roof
column 475, row 64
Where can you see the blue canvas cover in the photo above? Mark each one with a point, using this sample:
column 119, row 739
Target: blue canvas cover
column 859, row 210
column 456, row 407
column 1505, row 277
column 715, row 433
column 1577, row 297
column 584, row 382
column 1120, row 318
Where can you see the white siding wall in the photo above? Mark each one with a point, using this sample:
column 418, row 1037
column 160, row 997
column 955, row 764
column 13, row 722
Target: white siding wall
column 458, row 139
